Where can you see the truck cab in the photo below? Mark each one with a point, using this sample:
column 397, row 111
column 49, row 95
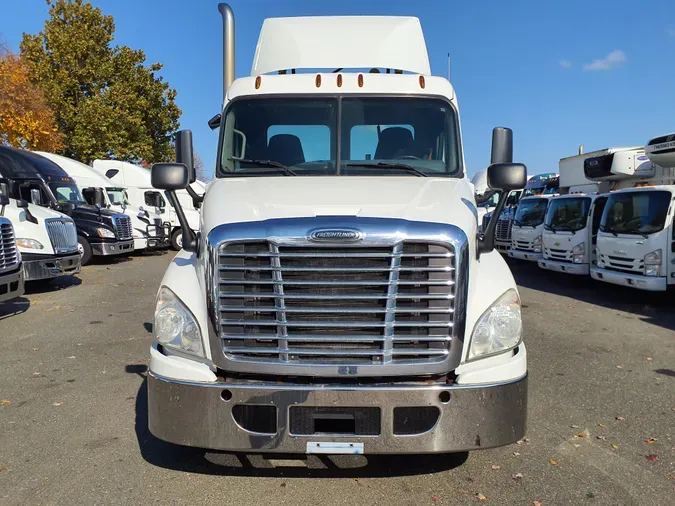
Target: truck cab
column 570, row 232
column 527, row 228
column 338, row 297
column 40, row 181
column 149, row 232
column 11, row 271
column 636, row 241
column 139, row 188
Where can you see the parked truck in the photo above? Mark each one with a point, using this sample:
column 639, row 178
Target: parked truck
column 527, row 228
column 636, row 238
column 39, row 181
column 148, row 230
column 136, row 180
column 11, row 272
column 338, row 297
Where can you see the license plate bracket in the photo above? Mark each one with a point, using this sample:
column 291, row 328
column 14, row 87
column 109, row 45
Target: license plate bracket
column 334, row 448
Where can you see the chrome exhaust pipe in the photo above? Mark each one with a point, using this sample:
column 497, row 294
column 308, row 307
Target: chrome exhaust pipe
column 228, row 46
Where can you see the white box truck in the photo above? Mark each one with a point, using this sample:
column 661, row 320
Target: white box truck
column 338, row 297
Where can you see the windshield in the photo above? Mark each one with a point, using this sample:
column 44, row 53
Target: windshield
column 568, row 214
column 67, row 192
column 118, row 196
column 531, row 212
column 636, row 212
column 351, row 136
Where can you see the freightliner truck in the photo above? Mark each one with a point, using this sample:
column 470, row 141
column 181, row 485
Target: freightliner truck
column 11, row 273
column 338, row 296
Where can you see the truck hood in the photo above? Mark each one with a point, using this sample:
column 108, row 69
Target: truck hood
column 439, row 200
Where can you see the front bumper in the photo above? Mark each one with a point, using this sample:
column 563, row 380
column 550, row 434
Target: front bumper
column 51, row 267
column 501, row 246
column 159, row 236
column 202, row 415
column 566, row 267
column 525, row 255
column 649, row 283
column 112, row 248
column 11, row 284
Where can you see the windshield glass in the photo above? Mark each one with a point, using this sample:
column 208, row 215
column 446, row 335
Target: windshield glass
column 531, row 212
column 118, row 196
column 636, row 212
column 394, row 136
column 568, row 213
column 66, row 192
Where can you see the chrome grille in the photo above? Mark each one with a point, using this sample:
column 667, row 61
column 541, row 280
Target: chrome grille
column 503, row 229
column 349, row 305
column 62, row 234
column 622, row 264
column 123, row 227
column 9, row 254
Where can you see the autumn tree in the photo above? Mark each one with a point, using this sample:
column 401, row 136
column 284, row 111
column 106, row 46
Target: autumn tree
column 108, row 103
column 200, row 169
column 26, row 121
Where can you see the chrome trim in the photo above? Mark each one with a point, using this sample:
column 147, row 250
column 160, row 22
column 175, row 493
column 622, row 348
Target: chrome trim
column 123, row 228
column 62, row 234
column 477, row 416
column 9, row 252
column 378, row 232
column 112, row 248
column 7, row 280
column 51, row 267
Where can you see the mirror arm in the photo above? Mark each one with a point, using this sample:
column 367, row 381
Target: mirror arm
column 486, row 241
column 481, row 199
column 29, row 216
column 189, row 237
column 196, row 198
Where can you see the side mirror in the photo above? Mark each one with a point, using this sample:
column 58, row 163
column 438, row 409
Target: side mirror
column 170, row 176
column 502, row 146
column 36, row 197
column 507, row 176
column 214, row 123
column 22, row 204
column 184, row 153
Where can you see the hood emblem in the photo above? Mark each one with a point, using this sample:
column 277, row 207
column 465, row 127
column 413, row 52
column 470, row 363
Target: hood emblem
column 556, row 244
column 336, row 235
column 620, row 252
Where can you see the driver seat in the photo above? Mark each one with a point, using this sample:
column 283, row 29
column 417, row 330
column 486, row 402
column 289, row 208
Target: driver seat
column 394, row 142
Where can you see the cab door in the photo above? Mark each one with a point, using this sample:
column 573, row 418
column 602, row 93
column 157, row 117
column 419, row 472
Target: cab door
column 596, row 216
column 670, row 255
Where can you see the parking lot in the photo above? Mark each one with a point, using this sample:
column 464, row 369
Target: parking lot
column 73, row 419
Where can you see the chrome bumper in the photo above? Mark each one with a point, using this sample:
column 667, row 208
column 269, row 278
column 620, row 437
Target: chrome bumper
column 201, row 415
column 113, row 248
column 52, row 267
column 566, row 267
column 11, row 284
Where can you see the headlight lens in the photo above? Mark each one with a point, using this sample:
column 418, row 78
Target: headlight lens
column 104, row 232
column 29, row 243
column 653, row 258
column 536, row 244
column 578, row 253
column 499, row 329
column 651, row 270
column 175, row 326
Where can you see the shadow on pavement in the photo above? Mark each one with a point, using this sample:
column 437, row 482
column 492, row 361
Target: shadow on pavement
column 51, row 285
column 657, row 308
column 13, row 307
column 195, row 460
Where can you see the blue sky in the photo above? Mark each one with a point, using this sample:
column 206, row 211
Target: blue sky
column 598, row 73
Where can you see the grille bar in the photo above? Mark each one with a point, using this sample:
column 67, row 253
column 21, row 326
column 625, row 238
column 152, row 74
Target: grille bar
column 338, row 255
column 9, row 257
column 332, row 324
column 351, row 310
column 398, row 296
column 337, row 283
column 123, row 227
column 337, row 352
column 342, row 337
column 62, row 234
column 340, row 269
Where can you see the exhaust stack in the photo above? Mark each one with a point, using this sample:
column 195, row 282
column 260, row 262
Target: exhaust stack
column 228, row 46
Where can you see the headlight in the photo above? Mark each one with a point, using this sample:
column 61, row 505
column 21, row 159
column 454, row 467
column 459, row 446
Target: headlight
column 499, row 329
column 104, row 232
column 175, row 327
column 578, row 253
column 536, row 244
column 29, row 243
column 651, row 270
column 653, row 258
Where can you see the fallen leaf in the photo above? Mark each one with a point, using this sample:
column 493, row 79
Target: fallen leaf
column 604, row 438
column 2, row 469
column 601, row 425
column 553, row 462
column 519, row 442
column 585, row 434
column 615, row 447
column 620, row 418
column 516, row 454
column 481, row 497
column 434, row 498
column 536, row 503
column 526, row 440
column 36, row 349
column 5, row 402
column 652, row 458
column 517, row 476
column 575, row 426
column 496, row 468
column 650, row 440
column 57, row 404
column 36, row 375
column 649, row 358
column 577, row 446
column 619, row 367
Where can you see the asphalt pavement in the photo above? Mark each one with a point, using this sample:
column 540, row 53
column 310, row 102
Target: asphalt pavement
column 73, row 413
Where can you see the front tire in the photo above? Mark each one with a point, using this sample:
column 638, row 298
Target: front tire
column 177, row 239
column 84, row 249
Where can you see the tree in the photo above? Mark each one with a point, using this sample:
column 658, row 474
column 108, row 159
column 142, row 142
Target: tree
column 107, row 102
column 26, row 121
column 200, row 169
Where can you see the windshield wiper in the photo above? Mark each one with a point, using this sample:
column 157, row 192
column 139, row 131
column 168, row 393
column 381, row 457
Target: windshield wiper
column 385, row 165
column 636, row 231
column 266, row 163
column 603, row 228
column 550, row 227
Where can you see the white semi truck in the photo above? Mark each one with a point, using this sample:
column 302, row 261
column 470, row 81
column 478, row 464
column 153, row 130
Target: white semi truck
column 338, row 297
column 149, row 232
column 636, row 240
column 11, row 272
column 139, row 188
